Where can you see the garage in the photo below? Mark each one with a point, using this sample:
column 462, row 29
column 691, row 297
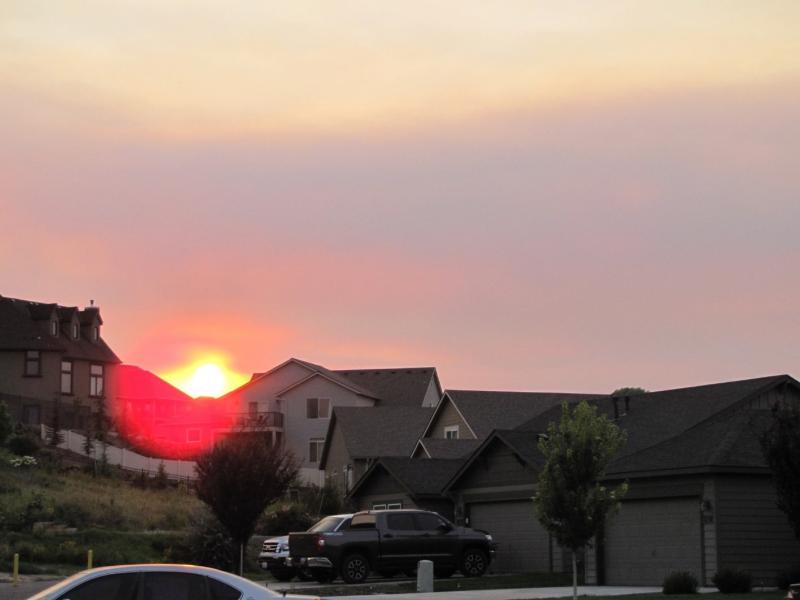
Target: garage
column 649, row 539
column 522, row 543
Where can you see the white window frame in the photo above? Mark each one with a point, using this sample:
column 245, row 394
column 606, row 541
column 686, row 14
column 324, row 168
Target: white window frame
column 318, row 444
column 67, row 369
column 76, row 331
column 97, row 381
column 313, row 408
column 388, row 506
column 451, row 429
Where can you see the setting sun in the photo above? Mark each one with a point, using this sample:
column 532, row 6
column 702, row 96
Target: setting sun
column 205, row 376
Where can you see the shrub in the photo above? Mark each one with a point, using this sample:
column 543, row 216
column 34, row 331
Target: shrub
column 680, row 582
column 284, row 519
column 5, row 423
column 208, row 544
column 732, row 581
column 23, row 444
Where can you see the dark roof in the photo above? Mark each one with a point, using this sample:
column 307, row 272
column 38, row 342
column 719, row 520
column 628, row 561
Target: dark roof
column 486, row 410
column 441, row 448
column 419, row 476
column 396, row 386
column 334, row 376
column 24, row 326
column 372, row 432
column 135, row 383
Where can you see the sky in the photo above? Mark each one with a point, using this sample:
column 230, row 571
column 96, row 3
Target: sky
column 564, row 196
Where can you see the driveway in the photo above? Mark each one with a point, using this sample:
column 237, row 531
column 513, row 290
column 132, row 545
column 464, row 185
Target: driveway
column 512, row 594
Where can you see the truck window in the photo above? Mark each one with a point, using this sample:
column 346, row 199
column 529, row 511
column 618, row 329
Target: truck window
column 429, row 521
column 365, row 521
column 400, row 522
column 325, row 525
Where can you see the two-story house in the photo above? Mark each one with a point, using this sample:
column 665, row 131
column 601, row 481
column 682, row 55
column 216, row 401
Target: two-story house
column 294, row 401
column 53, row 361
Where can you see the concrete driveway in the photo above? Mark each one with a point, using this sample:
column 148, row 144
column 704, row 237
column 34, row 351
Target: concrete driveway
column 513, row 594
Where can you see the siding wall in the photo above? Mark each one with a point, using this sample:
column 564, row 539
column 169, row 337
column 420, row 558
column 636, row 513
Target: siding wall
column 338, row 458
column 497, row 466
column 752, row 534
column 449, row 416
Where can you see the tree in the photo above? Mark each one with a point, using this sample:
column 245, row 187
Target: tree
column 6, row 427
column 628, row 391
column 239, row 477
column 570, row 502
column 88, row 446
column 781, row 447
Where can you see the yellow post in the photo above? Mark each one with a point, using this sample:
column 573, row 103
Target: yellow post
column 15, row 577
column 89, row 559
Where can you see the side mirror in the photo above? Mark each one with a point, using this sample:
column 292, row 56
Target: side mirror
column 444, row 527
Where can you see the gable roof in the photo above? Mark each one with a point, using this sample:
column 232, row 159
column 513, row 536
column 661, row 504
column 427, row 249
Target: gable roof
column 379, row 431
column 485, row 411
column 136, row 383
column 24, row 325
column 405, row 386
column 443, row 448
column 419, row 477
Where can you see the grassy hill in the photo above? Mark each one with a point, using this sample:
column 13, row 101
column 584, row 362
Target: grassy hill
column 51, row 515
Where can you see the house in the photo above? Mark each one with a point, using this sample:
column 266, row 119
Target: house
column 158, row 419
column 700, row 494
column 55, row 366
column 357, row 436
column 294, row 402
column 402, row 482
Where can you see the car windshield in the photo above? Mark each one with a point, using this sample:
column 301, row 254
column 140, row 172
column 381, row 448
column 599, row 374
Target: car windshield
column 325, row 525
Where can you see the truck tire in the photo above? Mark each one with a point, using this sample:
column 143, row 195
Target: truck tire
column 474, row 562
column 355, row 568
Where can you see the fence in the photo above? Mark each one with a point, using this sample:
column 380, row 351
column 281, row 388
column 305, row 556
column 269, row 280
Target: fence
column 126, row 459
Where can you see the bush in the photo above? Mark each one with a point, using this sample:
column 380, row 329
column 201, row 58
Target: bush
column 208, row 544
column 284, row 519
column 788, row 577
column 23, row 444
column 680, row 582
column 732, row 581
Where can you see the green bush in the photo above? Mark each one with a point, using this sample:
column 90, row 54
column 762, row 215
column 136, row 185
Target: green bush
column 732, row 581
column 283, row 519
column 23, row 444
column 208, row 544
column 680, row 582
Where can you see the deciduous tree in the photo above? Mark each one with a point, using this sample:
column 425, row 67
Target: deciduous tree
column 239, row 477
column 571, row 503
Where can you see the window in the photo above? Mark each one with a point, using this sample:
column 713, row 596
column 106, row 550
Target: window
column 317, row 408
column 75, row 331
column 95, row 333
column 173, row 586
column 401, row 522
column 96, row 381
column 315, row 449
column 363, row 521
column 112, row 587
column 54, row 328
column 222, row 591
column 451, row 432
column 66, row 377
column 388, row 506
column 429, row 521
column 33, row 363
column 193, row 436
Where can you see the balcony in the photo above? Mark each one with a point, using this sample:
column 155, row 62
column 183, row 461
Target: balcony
column 259, row 420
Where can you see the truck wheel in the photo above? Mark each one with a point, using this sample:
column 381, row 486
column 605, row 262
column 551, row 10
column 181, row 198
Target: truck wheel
column 474, row 562
column 355, row 568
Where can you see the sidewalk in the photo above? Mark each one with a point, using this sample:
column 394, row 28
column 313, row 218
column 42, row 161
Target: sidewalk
column 512, row 594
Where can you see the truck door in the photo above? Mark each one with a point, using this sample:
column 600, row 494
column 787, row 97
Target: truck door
column 400, row 541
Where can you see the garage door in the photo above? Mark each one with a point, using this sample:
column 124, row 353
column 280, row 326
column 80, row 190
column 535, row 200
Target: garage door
column 648, row 540
column 522, row 544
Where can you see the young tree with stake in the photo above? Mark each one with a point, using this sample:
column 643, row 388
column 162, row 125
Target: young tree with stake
column 570, row 502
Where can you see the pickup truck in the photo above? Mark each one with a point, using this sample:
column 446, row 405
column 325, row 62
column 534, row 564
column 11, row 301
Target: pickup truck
column 388, row 541
column 274, row 556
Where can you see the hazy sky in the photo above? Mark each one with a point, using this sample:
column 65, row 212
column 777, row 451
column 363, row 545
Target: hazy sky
column 528, row 195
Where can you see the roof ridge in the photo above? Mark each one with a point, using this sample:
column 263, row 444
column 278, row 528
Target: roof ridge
column 706, row 385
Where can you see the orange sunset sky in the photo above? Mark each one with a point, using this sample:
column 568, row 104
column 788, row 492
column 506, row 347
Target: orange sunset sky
column 527, row 195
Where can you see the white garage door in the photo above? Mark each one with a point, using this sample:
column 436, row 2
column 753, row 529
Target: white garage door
column 648, row 540
column 522, row 544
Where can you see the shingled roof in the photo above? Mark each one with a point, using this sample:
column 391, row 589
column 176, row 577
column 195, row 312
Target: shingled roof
column 486, row 411
column 24, row 325
column 444, row 448
column 396, row 386
column 371, row 432
column 418, row 476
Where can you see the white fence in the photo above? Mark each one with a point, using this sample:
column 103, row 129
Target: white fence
column 126, row 459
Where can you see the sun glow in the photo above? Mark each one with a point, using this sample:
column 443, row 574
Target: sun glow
column 205, row 376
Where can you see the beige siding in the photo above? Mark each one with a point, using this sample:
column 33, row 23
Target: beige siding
column 446, row 417
column 338, row 458
column 432, row 397
column 752, row 534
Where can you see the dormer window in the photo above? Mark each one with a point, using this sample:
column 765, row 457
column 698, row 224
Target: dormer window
column 54, row 328
column 95, row 333
column 76, row 330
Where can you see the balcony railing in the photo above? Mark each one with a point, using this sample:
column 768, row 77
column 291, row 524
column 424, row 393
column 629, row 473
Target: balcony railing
column 259, row 420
